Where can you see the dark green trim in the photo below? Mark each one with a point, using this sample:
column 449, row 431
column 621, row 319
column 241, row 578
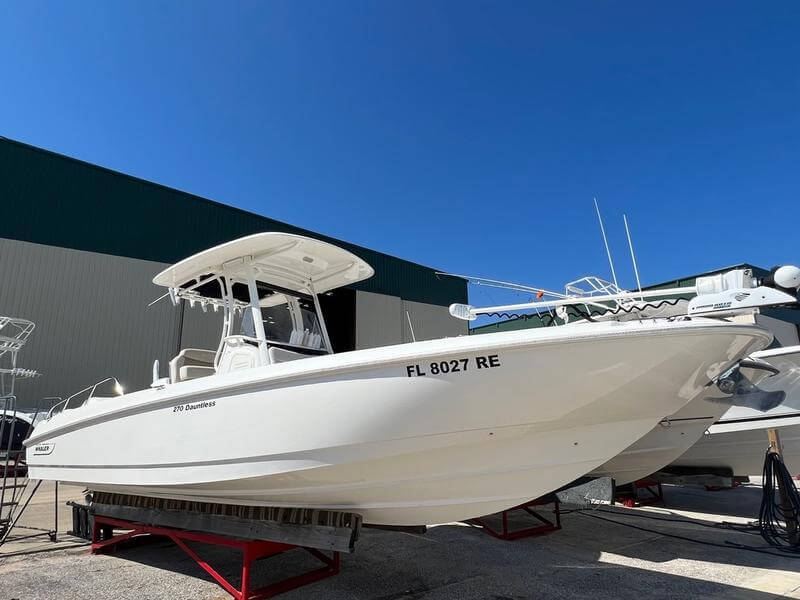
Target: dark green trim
column 60, row 201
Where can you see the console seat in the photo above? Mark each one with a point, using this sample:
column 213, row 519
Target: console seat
column 279, row 355
column 191, row 363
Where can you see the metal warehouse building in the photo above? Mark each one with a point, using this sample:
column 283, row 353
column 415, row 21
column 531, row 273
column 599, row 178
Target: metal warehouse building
column 80, row 244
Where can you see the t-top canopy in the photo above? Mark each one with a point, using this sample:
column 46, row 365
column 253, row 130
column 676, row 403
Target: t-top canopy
column 294, row 262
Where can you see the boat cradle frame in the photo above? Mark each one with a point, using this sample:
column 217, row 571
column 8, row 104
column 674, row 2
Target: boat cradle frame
column 104, row 539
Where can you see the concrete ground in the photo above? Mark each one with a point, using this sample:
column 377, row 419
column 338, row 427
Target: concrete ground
column 39, row 517
column 612, row 552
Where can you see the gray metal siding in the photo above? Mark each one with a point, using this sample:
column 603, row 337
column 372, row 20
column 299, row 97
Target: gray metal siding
column 200, row 329
column 381, row 321
column 430, row 322
column 378, row 320
column 91, row 315
column 786, row 333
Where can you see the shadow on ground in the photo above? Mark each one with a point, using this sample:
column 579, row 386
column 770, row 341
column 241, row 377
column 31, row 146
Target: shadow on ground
column 614, row 552
column 742, row 501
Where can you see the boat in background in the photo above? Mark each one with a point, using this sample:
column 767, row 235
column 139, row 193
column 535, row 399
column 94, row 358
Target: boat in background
column 678, row 432
column 738, row 440
column 730, row 295
column 592, row 299
column 14, row 429
column 15, row 425
column 410, row 434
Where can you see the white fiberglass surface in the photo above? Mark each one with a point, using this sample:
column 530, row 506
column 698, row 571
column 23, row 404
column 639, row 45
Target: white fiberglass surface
column 283, row 373
column 787, row 361
column 743, row 450
column 359, row 427
column 291, row 261
column 664, row 443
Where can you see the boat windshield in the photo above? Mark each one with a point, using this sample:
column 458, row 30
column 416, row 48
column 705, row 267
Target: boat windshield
column 292, row 322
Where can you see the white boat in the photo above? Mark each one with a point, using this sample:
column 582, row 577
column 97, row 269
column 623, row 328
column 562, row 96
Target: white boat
column 738, row 440
column 410, row 434
column 664, row 443
column 678, row 432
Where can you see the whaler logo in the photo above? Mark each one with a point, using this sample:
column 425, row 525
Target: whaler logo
column 43, row 449
column 741, row 296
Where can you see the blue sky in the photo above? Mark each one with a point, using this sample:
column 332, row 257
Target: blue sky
column 468, row 136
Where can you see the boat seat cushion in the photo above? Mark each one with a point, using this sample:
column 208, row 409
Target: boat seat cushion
column 238, row 355
column 279, row 355
column 193, row 372
column 199, row 356
column 191, row 358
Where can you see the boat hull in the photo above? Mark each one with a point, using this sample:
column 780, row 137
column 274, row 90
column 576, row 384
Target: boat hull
column 666, row 442
column 743, row 451
column 739, row 440
column 387, row 433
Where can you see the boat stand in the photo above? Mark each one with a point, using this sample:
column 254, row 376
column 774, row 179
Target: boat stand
column 630, row 496
column 103, row 539
column 543, row 527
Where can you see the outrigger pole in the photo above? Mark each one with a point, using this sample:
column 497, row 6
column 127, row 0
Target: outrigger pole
column 730, row 293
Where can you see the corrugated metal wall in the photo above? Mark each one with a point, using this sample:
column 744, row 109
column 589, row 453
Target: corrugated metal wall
column 430, row 322
column 91, row 317
column 381, row 320
column 200, row 329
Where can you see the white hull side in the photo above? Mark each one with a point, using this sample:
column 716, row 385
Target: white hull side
column 743, row 450
column 355, row 432
column 738, row 440
column 665, row 442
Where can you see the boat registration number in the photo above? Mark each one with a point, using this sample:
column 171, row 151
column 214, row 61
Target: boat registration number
column 453, row 365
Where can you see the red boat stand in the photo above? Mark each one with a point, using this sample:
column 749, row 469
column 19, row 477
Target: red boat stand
column 546, row 525
column 251, row 550
column 632, row 498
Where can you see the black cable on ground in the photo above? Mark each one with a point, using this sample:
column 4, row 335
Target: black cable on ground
column 780, row 506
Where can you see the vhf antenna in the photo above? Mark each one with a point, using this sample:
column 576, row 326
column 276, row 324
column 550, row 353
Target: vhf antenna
column 605, row 241
column 633, row 256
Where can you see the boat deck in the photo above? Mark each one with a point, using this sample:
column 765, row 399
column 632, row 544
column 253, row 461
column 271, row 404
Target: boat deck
column 615, row 552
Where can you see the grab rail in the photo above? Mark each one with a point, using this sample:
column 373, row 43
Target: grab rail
column 64, row 404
